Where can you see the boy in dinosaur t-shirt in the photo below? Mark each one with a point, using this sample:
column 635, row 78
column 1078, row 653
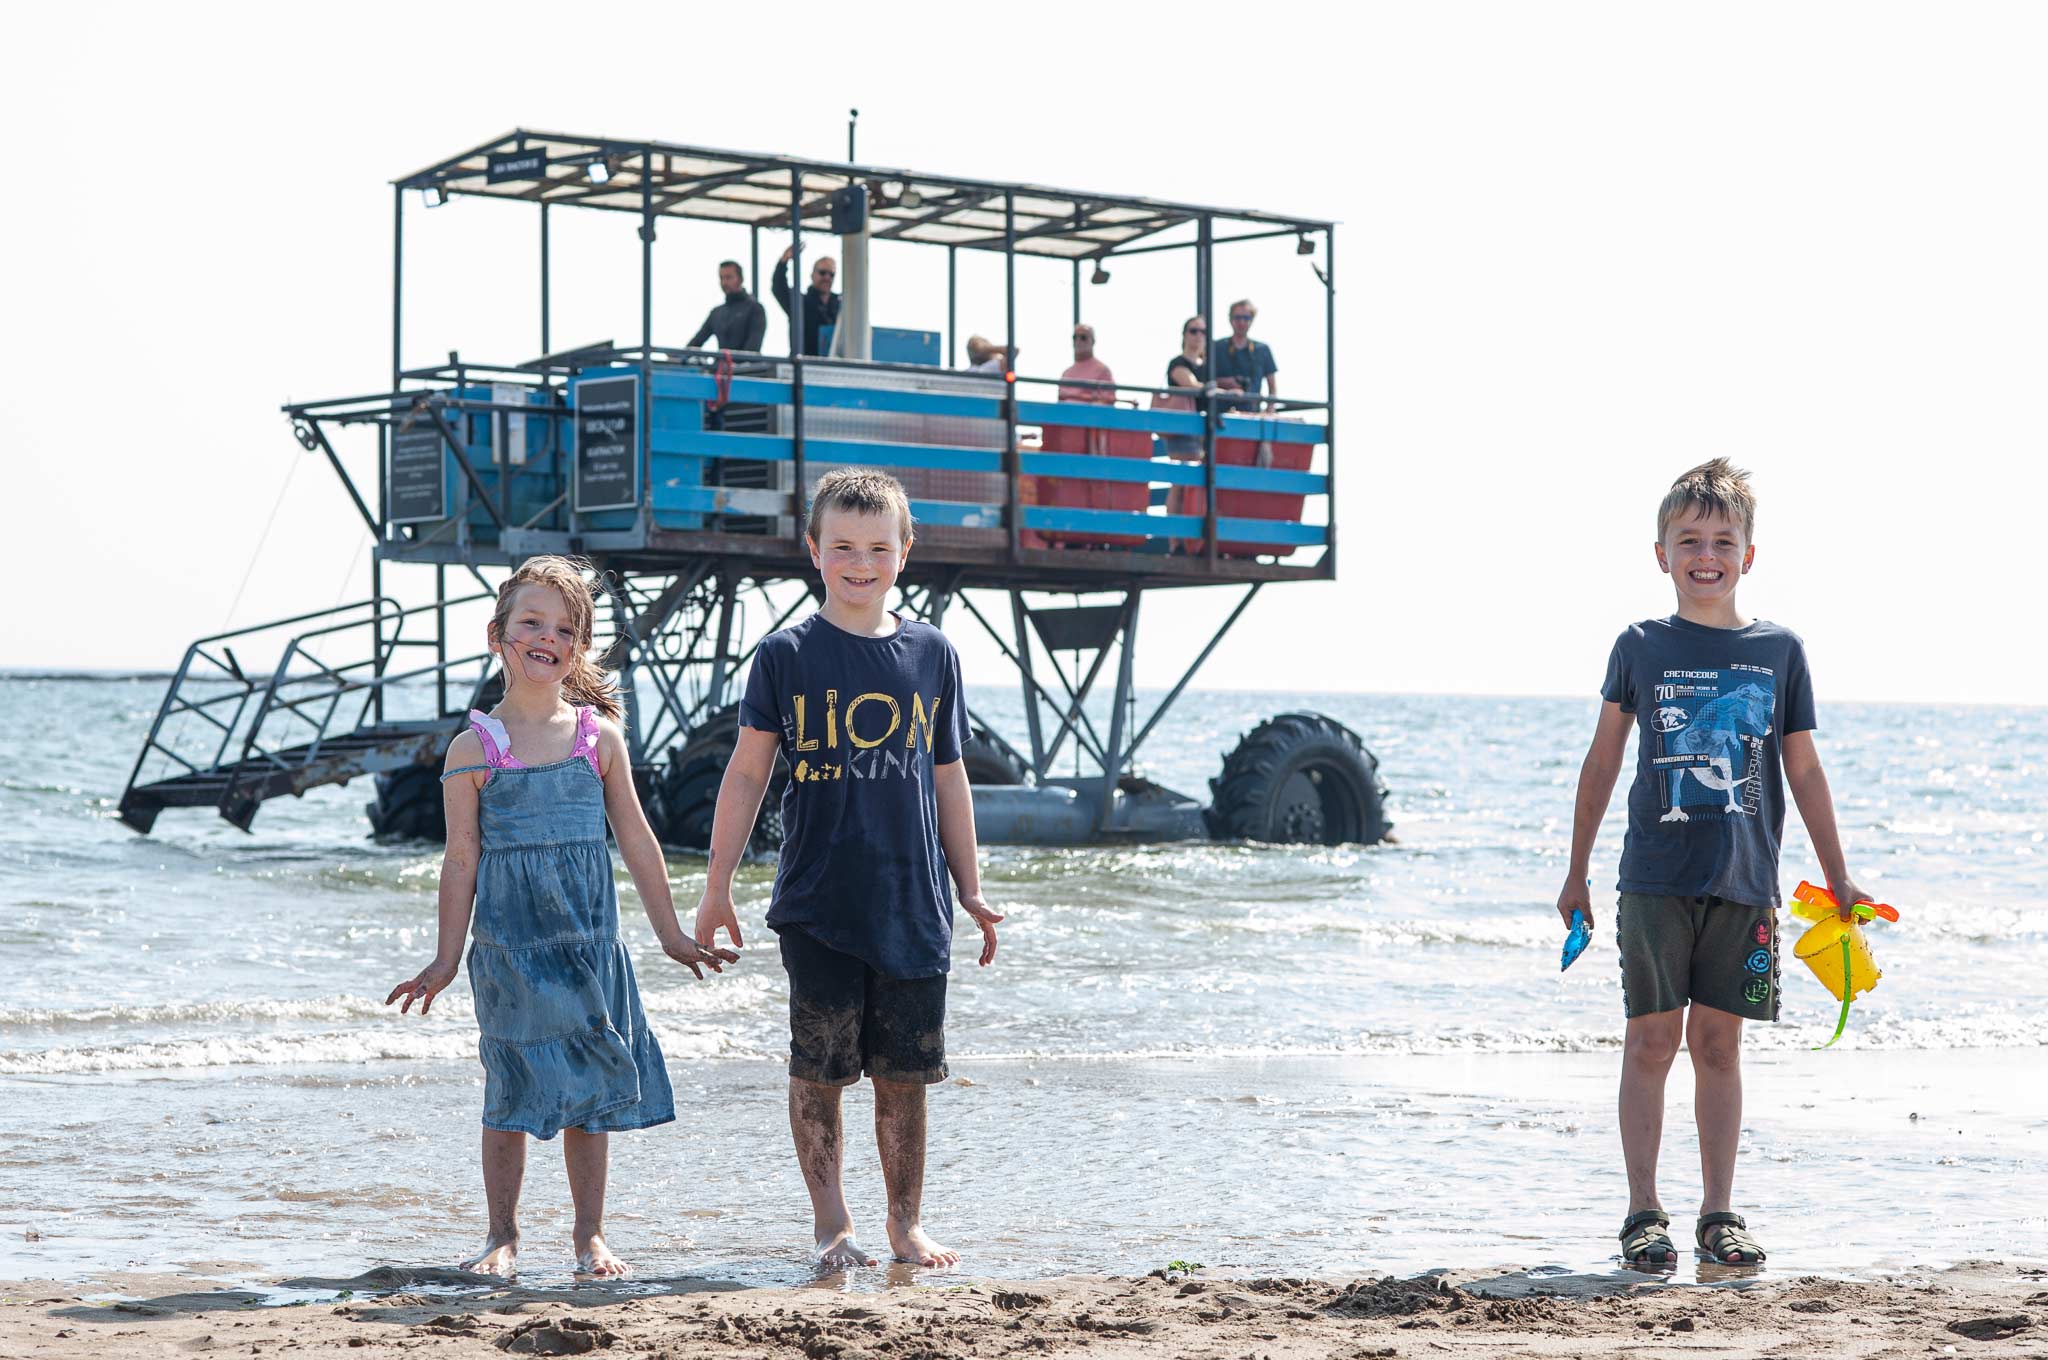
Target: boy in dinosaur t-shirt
column 1724, row 709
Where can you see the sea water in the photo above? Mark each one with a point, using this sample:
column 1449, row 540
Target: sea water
column 1324, row 1060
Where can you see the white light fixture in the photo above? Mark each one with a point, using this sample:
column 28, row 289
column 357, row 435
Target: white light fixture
column 601, row 169
column 433, row 195
column 911, row 198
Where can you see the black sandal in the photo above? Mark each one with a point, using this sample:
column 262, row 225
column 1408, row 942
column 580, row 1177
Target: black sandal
column 1644, row 1241
column 1725, row 1237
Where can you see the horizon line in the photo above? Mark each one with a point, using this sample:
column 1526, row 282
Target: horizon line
column 109, row 675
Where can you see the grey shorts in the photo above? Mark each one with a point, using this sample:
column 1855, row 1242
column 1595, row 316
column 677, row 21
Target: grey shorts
column 846, row 1019
column 1705, row 950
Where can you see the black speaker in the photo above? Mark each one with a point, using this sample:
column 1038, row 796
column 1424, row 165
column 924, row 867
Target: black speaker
column 849, row 209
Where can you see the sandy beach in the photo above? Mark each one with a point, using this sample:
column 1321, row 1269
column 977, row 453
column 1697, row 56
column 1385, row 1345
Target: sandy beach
column 1980, row 1308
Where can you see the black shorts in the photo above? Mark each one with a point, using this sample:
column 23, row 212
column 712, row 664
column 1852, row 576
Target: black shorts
column 1706, row 950
column 846, row 1019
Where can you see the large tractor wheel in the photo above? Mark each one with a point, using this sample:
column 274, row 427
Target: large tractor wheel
column 989, row 762
column 1299, row 779
column 408, row 805
column 408, row 802
column 689, row 787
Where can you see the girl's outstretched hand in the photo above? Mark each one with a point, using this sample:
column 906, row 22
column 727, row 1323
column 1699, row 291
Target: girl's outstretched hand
column 690, row 954
column 986, row 919
column 432, row 981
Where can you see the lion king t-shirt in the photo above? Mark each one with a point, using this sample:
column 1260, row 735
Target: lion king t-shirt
column 1706, row 813
column 864, row 723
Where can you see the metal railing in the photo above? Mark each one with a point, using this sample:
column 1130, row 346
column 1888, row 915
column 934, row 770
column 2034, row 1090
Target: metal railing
column 1191, row 429
column 280, row 720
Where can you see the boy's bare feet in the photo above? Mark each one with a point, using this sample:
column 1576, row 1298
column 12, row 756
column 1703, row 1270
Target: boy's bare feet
column 593, row 1257
column 500, row 1256
column 911, row 1243
column 838, row 1251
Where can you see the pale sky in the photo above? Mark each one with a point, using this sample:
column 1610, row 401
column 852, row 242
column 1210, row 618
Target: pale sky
column 1581, row 248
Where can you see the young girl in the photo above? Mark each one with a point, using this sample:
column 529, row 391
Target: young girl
column 528, row 788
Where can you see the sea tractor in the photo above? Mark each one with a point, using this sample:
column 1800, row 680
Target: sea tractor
column 1046, row 514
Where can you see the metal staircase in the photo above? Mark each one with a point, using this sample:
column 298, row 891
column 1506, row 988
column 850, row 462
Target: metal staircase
column 337, row 704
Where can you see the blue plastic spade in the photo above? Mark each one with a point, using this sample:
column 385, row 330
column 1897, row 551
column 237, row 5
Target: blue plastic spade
column 1576, row 941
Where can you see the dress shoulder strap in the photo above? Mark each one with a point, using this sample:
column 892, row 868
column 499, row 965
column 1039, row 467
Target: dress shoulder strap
column 587, row 735
column 497, row 742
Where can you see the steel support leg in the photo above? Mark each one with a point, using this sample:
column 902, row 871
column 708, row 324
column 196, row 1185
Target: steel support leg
column 728, row 605
column 1075, row 719
column 1193, row 666
column 440, row 639
column 1031, row 690
column 622, row 626
column 1113, row 756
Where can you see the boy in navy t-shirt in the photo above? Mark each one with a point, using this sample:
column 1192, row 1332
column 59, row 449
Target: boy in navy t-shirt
column 1723, row 705
column 866, row 708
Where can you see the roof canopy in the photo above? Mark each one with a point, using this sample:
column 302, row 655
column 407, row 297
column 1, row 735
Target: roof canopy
column 756, row 190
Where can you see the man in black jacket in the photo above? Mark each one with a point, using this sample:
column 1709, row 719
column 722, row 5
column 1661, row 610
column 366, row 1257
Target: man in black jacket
column 739, row 322
column 821, row 304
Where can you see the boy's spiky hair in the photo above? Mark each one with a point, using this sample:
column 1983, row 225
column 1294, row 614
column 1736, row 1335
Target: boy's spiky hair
column 861, row 491
column 1715, row 486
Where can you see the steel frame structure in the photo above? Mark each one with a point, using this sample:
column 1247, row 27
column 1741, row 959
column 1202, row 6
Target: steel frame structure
column 679, row 597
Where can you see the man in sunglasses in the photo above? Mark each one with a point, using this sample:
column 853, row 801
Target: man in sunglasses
column 1086, row 369
column 1242, row 363
column 821, row 304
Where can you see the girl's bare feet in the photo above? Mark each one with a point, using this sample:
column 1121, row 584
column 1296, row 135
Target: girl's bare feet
column 838, row 1251
column 500, row 1256
column 911, row 1243
column 593, row 1257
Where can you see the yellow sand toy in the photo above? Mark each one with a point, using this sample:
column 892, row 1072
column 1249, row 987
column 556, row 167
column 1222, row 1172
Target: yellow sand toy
column 1835, row 949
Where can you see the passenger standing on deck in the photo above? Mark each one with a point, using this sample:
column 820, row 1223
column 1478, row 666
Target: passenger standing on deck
column 1085, row 369
column 1245, row 364
column 740, row 322
column 865, row 706
column 1187, row 369
column 529, row 789
column 821, row 304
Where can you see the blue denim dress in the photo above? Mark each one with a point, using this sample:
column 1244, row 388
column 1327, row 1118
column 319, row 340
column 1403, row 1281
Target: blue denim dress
column 565, row 1043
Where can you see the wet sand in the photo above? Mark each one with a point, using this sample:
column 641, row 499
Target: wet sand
column 1311, row 1166
column 1981, row 1308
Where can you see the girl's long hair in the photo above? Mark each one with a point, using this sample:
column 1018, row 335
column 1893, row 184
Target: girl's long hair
column 587, row 682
